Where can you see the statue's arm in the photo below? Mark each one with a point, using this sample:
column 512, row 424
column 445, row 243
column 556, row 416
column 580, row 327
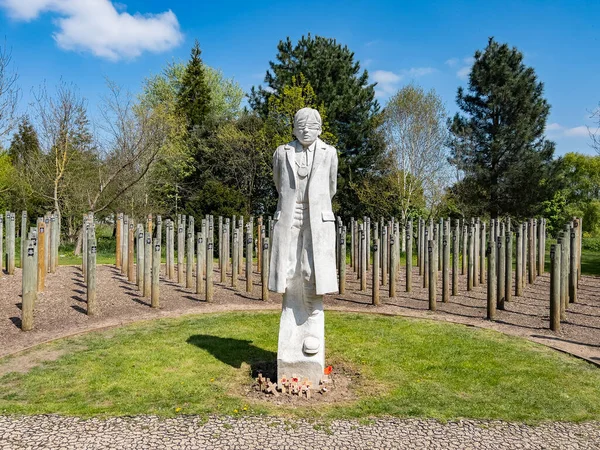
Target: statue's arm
column 276, row 171
column 333, row 173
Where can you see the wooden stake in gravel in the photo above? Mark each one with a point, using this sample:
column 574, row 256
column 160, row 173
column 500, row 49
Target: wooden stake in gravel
column 482, row 248
column 180, row 252
column 573, row 266
column 432, row 275
column 249, row 280
column 91, row 274
column 445, row 253
column 364, row 257
column 264, row 274
column 519, row 262
column 455, row 233
column 209, row 269
column 426, row 256
column 376, row 262
column 562, row 279
column 409, row 257
column 540, row 244
column 235, row 263
column 1, row 244
column 200, row 261
column 28, row 287
column 140, row 246
column 148, row 264
column 172, row 250
column 393, row 265
column 501, row 267
column 555, row 304
column 384, row 255
column 491, row 278
column 41, row 278
column 130, row 260
column 124, row 252
column 23, row 235
column 465, row 240
column 10, row 245
column 155, row 289
column 508, row 266
column 342, row 272
column 470, row 262
column 189, row 260
column 118, row 230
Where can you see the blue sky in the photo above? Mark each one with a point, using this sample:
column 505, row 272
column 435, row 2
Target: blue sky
column 430, row 43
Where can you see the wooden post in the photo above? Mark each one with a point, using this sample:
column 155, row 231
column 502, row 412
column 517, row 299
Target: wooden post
column 23, row 236
column 249, row 280
column 189, row 260
column 91, row 273
column 508, row 270
column 167, row 250
column 1, row 245
column 364, row 257
column 384, row 255
column 118, row 231
column 393, row 264
column 470, row 253
column 439, row 244
column 465, row 240
column 562, row 280
column 28, row 287
column 531, row 253
column 264, row 273
column 224, row 255
column 432, row 266
column 259, row 226
column 455, row 243
column 534, row 249
column 47, row 243
column 148, row 264
column 241, row 245
column 140, row 247
column 84, row 250
column 155, row 289
column 409, row 255
column 525, row 239
column 209, row 268
column 376, row 275
column 10, row 244
column 573, row 266
column 555, row 303
column 446, row 263
column 172, row 250
column 426, row 255
column 541, row 249
column 566, row 245
column 579, row 244
column 519, row 262
column 235, row 263
column 130, row 259
column 124, row 252
column 342, row 272
column 180, row 252
column 41, row 245
column 476, row 249
column 200, row 261
column 501, row 267
column 482, row 248
column 491, row 278
column 420, row 236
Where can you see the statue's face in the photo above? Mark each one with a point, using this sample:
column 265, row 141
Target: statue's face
column 307, row 131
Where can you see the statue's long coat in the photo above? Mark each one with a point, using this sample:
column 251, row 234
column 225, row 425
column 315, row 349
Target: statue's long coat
column 321, row 189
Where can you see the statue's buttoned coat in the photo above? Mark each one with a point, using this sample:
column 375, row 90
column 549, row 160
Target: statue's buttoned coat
column 321, row 187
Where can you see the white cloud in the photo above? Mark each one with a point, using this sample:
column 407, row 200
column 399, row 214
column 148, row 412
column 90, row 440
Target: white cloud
column 465, row 63
column 101, row 27
column 387, row 82
column 581, row 131
column 463, row 73
column 557, row 130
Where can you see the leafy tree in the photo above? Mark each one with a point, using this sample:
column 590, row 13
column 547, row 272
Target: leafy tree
column 193, row 96
column 416, row 134
column 24, row 149
column 499, row 142
column 344, row 91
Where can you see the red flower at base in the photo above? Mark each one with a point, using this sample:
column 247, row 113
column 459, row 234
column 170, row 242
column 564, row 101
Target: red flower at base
column 327, row 370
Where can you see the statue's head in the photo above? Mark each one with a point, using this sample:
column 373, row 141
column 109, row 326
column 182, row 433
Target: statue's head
column 307, row 126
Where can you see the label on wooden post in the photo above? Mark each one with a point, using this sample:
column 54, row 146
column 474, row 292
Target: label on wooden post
column 93, row 249
column 149, row 241
column 30, row 251
column 157, row 247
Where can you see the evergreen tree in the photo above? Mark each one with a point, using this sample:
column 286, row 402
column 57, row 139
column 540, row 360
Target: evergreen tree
column 193, row 97
column 499, row 142
column 24, row 149
column 344, row 91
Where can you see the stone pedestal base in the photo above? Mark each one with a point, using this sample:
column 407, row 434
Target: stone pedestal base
column 301, row 349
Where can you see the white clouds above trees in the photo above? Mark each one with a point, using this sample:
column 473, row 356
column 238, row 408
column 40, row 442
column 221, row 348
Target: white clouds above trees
column 101, row 27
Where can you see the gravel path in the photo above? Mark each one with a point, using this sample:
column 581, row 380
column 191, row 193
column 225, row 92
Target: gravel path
column 146, row 432
column 60, row 310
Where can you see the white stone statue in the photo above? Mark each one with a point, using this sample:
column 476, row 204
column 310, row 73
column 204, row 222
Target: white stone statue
column 302, row 265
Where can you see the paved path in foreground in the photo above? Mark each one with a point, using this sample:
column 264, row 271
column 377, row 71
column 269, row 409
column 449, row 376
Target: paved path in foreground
column 191, row 432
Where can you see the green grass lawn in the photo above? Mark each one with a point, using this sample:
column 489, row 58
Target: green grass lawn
column 408, row 368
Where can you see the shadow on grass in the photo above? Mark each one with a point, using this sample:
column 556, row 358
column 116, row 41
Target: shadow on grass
column 234, row 352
